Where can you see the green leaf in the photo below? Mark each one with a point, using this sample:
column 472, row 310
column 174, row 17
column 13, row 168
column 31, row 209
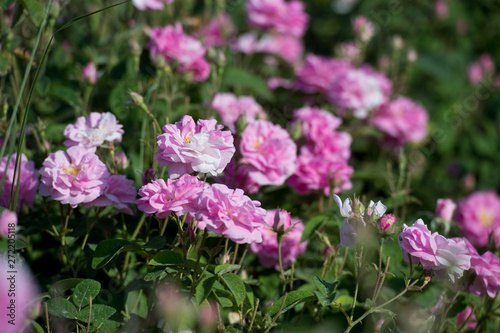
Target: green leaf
column 106, row 326
column 5, row 62
column 345, row 301
column 61, row 307
column 237, row 77
column 35, row 9
column 99, row 314
column 204, row 288
column 155, row 273
column 226, row 268
column 236, row 286
column 106, row 251
column 156, row 242
column 167, row 258
column 292, row 298
column 60, row 287
column 325, row 288
column 325, row 300
column 65, row 94
column 37, row 327
column 84, row 290
column 311, row 226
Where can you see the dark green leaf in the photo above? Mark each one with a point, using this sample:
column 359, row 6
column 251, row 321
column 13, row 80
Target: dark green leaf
column 5, row 62
column 106, row 326
column 60, row 287
column 155, row 273
column 236, row 286
column 292, row 298
column 106, row 251
column 237, row 77
column 37, row 327
column 166, row 258
column 156, row 242
column 324, row 287
column 84, row 290
column 35, row 10
column 311, row 226
column 65, row 94
column 325, row 300
column 226, row 268
column 99, row 314
column 204, row 288
column 61, row 307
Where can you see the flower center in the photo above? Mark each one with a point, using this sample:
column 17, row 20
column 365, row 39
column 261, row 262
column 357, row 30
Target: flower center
column 257, row 144
column 486, row 218
column 187, row 139
column 72, row 169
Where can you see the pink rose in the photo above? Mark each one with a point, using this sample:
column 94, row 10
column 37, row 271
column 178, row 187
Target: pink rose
column 231, row 108
column 363, row 28
column 288, row 47
column 8, row 220
column 468, row 315
column 445, row 209
column 89, row 72
column 315, row 123
column 217, row 31
column 119, row 193
column 386, row 221
column 150, row 4
column 28, row 181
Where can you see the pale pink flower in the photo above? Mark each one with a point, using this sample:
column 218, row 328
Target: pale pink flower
column 246, row 43
column 217, row 31
column 349, row 51
column 288, row 47
column 93, row 131
column 317, row 73
column 315, row 122
column 8, row 220
column 475, row 73
column 291, row 248
column 230, row 213
column 89, row 72
column 150, row 4
column 121, row 160
column 236, row 176
column 119, row 193
column 75, row 177
column 386, row 221
column 278, row 15
column 441, row 9
column 471, row 318
column 179, row 196
column 28, row 181
column 268, row 152
column 478, row 215
column 363, row 28
column 480, row 68
column 487, row 63
column 356, row 90
column 434, row 252
column 383, row 81
column 187, row 147
column 199, row 68
column 401, row 120
column 16, row 306
column 230, row 107
column 445, row 209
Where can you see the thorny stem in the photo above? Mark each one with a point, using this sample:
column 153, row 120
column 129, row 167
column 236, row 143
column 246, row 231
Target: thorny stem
column 388, row 260
column 254, row 314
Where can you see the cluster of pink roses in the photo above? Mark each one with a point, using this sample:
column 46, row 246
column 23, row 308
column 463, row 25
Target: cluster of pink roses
column 175, row 47
column 231, row 108
column 78, row 176
column 323, row 160
column 217, row 32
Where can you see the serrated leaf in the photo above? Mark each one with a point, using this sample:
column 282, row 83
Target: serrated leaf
column 167, row 258
column 155, row 273
column 311, row 226
column 106, row 326
column 223, row 301
column 324, row 287
column 100, row 313
column 61, row 307
column 204, row 288
column 292, row 298
column 60, row 287
column 156, row 242
column 106, row 250
column 325, row 300
column 236, row 286
column 84, row 290
column 226, row 268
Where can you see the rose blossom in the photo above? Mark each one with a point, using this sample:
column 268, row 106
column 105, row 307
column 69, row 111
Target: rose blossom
column 288, row 47
column 402, row 121
column 268, row 152
column 150, row 4
column 386, row 221
column 315, row 122
column 179, row 196
column 231, row 108
column 28, row 181
column 284, row 17
column 217, row 31
column 89, row 72
column 433, row 251
column 445, row 209
column 478, row 215
column 230, row 213
column 291, row 248
column 246, row 43
column 74, row 177
column 187, row 147
column 93, row 131
column 8, row 220
column 119, row 193
column 467, row 314
column 363, row 28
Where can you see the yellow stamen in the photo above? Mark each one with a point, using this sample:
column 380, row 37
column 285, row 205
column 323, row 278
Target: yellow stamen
column 486, row 218
column 72, row 169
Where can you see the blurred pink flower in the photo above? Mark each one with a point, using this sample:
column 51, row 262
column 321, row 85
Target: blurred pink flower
column 150, row 4
column 278, row 15
column 441, row 9
column 434, row 252
column 119, row 193
column 386, row 221
column 487, row 63
column 8, row 220
column 475, row 73
column 187, row 147
column 290, row 48
column 363, row 28
column 121, row 161
column 28, row 181
column 291, row 248
column 89, row 73
column 174, row 45
column 75, row 177
column 230, row 107
column 445, row 209
column 217, row 32
column 402, row 121
column 356, row 90
column 16, row 306
column 93, row 131
column 478, row 215
column 317, row 73
column 230, row 213
column 246, row 43
column 478, row 69
column 268, row 152
column 178, row 196
column 471, row 318
column 349, row 51
column 315, row 122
